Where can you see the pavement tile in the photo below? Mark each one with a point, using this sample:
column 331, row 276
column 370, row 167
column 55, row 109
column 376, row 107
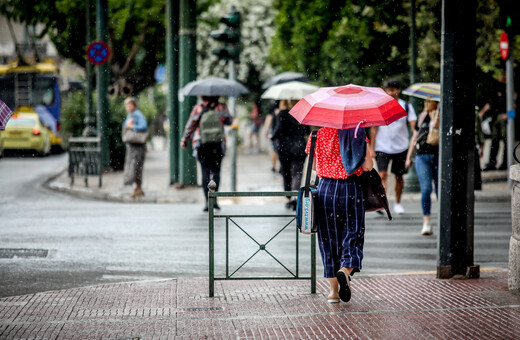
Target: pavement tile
column 382, row 307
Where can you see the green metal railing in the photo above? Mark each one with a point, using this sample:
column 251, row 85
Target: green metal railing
column 85, row 158
column 231, row 220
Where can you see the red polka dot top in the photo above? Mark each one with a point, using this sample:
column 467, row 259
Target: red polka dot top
column 327, row 155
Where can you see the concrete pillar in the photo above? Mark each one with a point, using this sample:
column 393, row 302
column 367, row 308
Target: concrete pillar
column 514, row 245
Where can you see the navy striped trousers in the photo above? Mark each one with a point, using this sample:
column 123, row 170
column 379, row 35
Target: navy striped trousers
column 341, row 229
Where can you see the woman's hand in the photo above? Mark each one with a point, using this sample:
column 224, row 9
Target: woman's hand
column 408, row 163
column 369, row 162
column 371, row 152
column 130, row 123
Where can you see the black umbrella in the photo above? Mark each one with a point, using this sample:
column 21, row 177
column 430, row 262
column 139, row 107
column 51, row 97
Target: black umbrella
column 285, row 77
column 213, row 87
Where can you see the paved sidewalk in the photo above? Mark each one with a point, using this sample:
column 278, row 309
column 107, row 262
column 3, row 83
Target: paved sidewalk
column 382, row 307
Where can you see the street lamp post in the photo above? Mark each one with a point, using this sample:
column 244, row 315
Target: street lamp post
column 102, row 79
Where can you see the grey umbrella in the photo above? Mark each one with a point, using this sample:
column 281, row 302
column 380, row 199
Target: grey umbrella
column 213, row 87
column 285, row 77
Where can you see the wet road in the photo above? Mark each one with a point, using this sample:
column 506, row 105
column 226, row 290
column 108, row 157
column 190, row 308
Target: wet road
column 51, row 241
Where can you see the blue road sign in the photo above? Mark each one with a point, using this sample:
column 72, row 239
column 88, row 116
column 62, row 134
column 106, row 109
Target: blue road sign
column 160, row 74
column 98, row 53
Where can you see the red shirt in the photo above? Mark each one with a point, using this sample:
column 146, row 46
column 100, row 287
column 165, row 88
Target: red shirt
column 327, row 155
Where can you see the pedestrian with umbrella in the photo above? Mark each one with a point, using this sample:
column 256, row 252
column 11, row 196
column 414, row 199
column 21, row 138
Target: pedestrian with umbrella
column 425, row 149
column 205, row 126
column 288, row 138
column 341, row 155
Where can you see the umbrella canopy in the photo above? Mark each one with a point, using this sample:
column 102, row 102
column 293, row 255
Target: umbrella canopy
column 213, row 87
column 5, row 114
column 430, row 91
column 347, row 107
column 285, row 77
column 290, row 90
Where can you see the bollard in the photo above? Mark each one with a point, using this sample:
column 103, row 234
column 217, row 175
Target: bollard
column 212, row 186
column 514, row 245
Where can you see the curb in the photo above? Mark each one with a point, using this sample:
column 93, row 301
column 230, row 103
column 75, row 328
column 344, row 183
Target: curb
column 53, row 183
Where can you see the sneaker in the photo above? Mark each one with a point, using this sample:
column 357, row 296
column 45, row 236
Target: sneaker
column 344, row 286
column 502, row 167
column 398, row 208
column 426, row 229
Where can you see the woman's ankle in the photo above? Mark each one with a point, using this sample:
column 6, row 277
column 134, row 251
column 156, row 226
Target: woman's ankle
column 346, row 270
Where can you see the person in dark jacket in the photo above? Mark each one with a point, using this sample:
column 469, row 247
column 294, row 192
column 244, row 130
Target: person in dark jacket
column 289, row 143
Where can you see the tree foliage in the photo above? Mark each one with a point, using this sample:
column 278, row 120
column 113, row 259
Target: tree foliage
column 341, row 42
column 367, row 41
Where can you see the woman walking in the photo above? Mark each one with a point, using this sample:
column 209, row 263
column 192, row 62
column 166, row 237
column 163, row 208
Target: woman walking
column 288, row 138
column 205, row 128
column 426, row 161
column 340, row 157
column 135, row 152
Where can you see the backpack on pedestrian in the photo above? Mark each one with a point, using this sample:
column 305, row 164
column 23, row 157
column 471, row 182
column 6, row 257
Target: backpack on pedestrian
column 210, row 126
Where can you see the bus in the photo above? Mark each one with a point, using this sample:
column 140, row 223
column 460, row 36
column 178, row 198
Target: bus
column 34, row 88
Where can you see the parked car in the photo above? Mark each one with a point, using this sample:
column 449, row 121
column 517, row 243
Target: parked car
column 25, row 131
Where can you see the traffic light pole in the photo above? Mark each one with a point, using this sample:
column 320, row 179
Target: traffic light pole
column 102, row 78
column 172, row 51
column 411, row 180
column 234, row 129
column 230, row 37
column 90, row 122
column 510, row 98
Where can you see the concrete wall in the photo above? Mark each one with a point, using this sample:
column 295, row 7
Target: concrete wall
column 514, row 245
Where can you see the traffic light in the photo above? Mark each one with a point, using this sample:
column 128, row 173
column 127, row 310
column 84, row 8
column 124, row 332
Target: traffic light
column 509, row 18
column 230, row 36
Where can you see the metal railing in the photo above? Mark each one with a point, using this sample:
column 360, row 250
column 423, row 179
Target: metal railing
column 231, row 220
column 85, row 158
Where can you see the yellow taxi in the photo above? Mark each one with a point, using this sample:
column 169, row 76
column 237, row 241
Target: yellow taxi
column 25, row 131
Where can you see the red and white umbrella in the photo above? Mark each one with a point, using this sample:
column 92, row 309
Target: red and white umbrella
column 5, row 114
column 348, row 107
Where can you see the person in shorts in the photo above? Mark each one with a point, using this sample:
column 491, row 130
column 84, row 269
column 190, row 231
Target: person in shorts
column 391, row 142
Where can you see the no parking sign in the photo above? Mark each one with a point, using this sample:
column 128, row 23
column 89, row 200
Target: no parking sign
column 98, row 53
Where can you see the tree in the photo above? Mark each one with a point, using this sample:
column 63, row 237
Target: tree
column 367, row 41
column 335, row 42
column 136, row 33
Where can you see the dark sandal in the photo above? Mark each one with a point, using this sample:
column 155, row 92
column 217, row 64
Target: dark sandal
column 344, row 286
